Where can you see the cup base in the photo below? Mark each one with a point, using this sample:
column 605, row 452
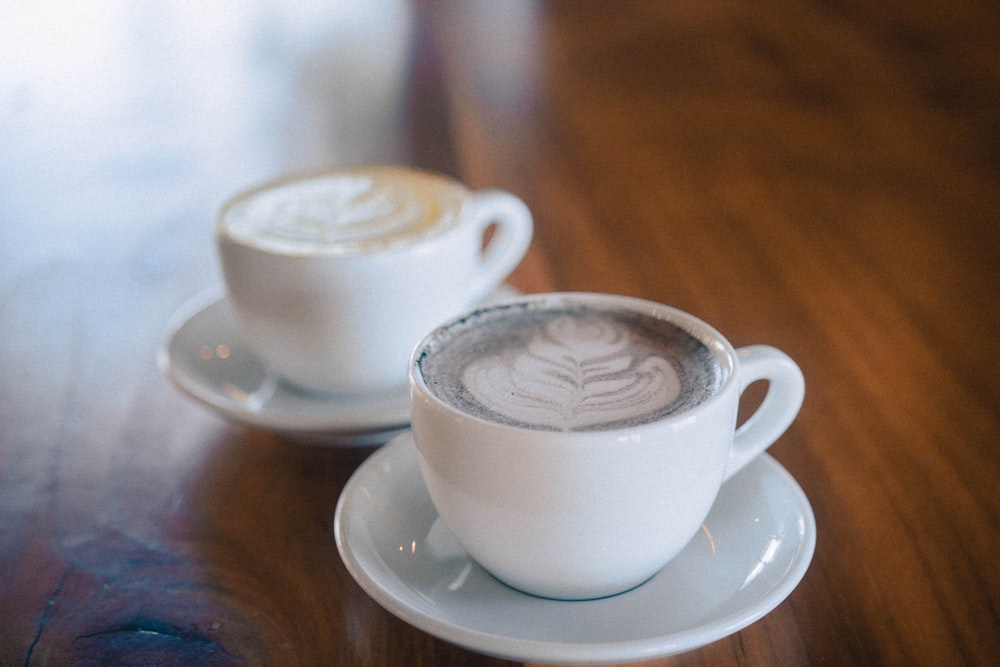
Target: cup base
column 324, row 394
column 582, row 597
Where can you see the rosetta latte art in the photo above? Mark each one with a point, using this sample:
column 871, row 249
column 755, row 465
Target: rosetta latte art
column 345, row 211
column 576, row 373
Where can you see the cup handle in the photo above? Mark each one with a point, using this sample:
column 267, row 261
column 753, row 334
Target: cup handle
column 777, row 411
column 511, row 237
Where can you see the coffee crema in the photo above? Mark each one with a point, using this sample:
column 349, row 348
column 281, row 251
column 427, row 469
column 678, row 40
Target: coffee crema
column 345, row 211
column 568, row 367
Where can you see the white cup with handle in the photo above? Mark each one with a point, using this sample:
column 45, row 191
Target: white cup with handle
column 574, row 443
column 334, row 276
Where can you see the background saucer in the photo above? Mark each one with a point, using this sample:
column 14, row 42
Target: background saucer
column 206, row 358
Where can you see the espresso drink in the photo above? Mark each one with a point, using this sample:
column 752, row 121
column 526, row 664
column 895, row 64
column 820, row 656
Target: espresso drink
column 568, row 367
column 343, row 212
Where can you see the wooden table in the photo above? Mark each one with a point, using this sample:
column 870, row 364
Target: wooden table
column 823, row 177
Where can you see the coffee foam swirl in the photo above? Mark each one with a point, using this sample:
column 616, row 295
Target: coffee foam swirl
column 344, row 212
column 569, row 369
column 574, row 374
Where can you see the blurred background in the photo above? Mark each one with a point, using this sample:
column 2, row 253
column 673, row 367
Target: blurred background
column 121, row 117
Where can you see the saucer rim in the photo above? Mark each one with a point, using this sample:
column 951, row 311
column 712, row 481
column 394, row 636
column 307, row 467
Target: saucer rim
column 319, row 429
column 353, row 431
column 562, row 652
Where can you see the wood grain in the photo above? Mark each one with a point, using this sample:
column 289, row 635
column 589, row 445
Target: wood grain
column 819, row 176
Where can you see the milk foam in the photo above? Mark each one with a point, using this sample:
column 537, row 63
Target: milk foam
column 573, row 374
column 571, row 371
column 344, row 212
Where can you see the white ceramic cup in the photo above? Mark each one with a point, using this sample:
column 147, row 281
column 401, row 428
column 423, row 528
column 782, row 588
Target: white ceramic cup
column 334, row 276
column 574, row 443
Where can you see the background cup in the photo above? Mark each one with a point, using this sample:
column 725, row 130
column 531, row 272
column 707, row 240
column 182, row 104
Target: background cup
column 343, row 317
column 589, row 513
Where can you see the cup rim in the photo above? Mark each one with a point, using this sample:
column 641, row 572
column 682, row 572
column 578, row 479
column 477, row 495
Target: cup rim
column 721, row 348
column 221, row 232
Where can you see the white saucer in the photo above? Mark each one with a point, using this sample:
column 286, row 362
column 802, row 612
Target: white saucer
column 206, row 358
column 755, row 546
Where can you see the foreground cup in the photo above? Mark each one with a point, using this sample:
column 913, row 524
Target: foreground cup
column 333, row 277
column 574, row 443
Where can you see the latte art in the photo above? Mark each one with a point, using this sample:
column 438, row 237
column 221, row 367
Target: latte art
column 572, row 375
column 569, row 369
column 344, row 212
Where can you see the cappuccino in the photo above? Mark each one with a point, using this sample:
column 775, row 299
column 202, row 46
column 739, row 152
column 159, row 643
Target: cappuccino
column 333, row 277
column 566, row 366
column 344, row 212
column 573, row 443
